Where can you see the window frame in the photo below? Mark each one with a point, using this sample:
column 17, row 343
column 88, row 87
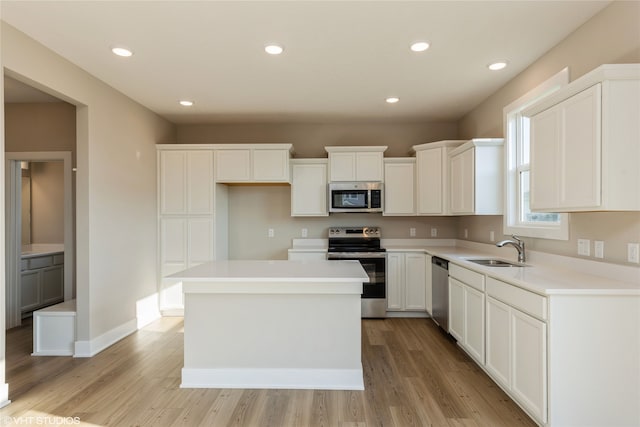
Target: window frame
column 512, row 223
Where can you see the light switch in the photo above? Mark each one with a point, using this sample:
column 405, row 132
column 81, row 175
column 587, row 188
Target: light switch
column 584, row 247
column 304, row 232
column 598, row 249
column 271, row 232
column 412, row 232
column 434, row 232
column 633, row 252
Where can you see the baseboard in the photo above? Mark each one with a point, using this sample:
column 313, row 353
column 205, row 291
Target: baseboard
column 96, row 345
column 311, row 379
column 173, row 312
column 413, row 314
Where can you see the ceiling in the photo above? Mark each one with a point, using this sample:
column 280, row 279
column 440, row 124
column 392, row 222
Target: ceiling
column 341, row 59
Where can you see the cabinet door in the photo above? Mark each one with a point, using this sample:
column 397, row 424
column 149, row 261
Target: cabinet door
column 474, row 323
column 415, row 287
column 200, row 241
column 456, row 309
column 429, row 181
column 545, row 143
column 271, row 165
column 428, row 282
column 369, row 166
column 342, row 166
column 52, row 285
column 462, row 183
column 200, row 182
column 30, row 290
column 395, row 281
column 498, row 362
column 233, row 165
column 173, row 258
column 529, row 363
column 309, row 190
column 399, row 195
column 173, row 182
column 580, row 150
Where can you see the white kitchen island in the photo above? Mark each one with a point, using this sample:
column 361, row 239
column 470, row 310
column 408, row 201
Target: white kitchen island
column 272, row 324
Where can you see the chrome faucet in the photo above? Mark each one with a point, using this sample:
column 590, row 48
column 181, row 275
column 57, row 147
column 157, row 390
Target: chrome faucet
column 516, row 243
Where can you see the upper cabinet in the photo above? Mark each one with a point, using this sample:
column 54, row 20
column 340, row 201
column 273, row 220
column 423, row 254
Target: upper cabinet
column 356, row 163
column 309, row 187
column 432, row 177
column 185, row 182
column 585, row 143
column 399, row 183
column 476, row 177
column 258, row 163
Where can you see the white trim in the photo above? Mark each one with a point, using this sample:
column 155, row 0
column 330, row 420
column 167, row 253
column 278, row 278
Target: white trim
column 511, row 209
column 315, row 379
column 96, row 345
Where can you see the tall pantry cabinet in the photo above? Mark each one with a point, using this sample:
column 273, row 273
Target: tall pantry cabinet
column 190, row 206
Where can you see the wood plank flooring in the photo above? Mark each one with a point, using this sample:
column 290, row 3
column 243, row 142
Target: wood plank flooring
column 414, row 376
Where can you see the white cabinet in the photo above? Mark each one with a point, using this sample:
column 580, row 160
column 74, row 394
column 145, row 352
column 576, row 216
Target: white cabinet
column 406, row 286
column 466, row 310
column 399, row 180
column 41, row 281
column 432, row 177
column 187, row 216
column 252, row 163
column 185, row 182
column 356, row 163
column 584, row 143
column 517, row 345
column 476, row 170
column 309, row 187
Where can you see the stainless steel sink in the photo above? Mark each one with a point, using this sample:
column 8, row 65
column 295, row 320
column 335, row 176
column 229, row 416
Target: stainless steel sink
column 492, row 262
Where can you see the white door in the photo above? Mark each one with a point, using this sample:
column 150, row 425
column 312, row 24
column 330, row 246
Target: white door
column 429, row 181
column 498, row 357
column 369, row 166
column 271, row 165
column 173, row 182
column 545, row 142
column 462, row 182
column 342, row 166
column 399, row 195
column 456, row 309
column 395, row 281
column 200, row 182
column 415, row 286
column 309, row 190
column 474, row 323
column 233, row 165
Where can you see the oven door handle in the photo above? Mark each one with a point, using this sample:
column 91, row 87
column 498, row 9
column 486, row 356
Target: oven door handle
column 355, row 255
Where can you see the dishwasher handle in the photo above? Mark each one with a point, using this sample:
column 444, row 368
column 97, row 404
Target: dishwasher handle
column 443, row 263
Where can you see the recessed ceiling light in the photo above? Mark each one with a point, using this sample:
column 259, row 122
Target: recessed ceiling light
column 497, row 66
column 121, row 51
column 420, row 46
column 186, row 103
column 392, row 100
column 273, row 49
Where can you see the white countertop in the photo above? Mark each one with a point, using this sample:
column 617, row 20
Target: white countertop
column 41, row 249
column 274, row 277
column 545, row 274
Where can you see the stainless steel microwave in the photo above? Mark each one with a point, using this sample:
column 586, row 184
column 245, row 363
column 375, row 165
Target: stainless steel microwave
column 356, row 197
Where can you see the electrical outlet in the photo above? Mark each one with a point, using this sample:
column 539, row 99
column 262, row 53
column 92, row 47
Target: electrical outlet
column 633, row 252
column 598, row 249
column 412, row 232
column 584, row 247
column 466, row 233
column 434, row 232
column 304, row 232
column 492, row 236
column 271, row 232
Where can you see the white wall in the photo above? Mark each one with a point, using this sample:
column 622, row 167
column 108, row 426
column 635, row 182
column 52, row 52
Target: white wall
column 116, row 186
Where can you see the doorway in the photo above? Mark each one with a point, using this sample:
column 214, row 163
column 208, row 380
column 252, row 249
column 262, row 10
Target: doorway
column 16, row 262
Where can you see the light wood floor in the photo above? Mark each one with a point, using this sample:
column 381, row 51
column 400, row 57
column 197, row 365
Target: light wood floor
column 414, row 376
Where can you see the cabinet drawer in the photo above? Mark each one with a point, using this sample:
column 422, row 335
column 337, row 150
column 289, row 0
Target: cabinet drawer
column 58, row 259
column 24, row 264
column 471, row 278
column 533, row 304
column 40, row 262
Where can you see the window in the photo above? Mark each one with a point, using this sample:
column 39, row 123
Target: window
column 518, row 218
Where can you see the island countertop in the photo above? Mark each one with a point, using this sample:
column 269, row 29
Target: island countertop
column 278, row 276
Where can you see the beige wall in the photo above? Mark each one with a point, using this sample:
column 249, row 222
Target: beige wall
column 47, row 202
column 612, row 36
column 255, row 209
column 115, row 188
column 309, row 139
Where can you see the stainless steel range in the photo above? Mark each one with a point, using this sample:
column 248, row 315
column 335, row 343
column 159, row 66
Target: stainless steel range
column 363, row 244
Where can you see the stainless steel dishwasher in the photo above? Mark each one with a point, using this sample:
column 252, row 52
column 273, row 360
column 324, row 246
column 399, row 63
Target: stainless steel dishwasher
column 440, row 292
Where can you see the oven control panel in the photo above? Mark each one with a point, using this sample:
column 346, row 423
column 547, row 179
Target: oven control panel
column 354, row 232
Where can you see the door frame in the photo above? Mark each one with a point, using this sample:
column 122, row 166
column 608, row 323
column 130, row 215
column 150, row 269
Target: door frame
column 13, row 225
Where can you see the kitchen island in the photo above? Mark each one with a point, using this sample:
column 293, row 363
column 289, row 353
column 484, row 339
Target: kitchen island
column 272, row 324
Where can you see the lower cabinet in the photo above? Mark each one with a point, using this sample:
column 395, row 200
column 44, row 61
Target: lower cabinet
column 517, row 348
column 406, row 281
column 466, row 310
column 41, row 282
